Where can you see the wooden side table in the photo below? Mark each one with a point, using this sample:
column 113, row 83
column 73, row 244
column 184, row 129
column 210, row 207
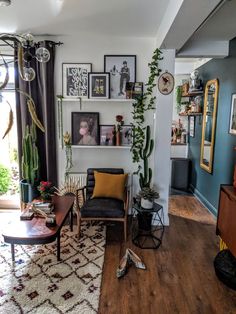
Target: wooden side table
column 147, row 226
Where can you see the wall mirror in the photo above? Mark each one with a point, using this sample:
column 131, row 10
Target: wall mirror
column 209, row 124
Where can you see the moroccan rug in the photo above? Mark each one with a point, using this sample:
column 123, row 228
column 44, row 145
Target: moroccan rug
column 39, row 284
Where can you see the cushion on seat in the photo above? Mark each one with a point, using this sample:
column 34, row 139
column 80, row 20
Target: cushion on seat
column 109, row 185
column 103, row 208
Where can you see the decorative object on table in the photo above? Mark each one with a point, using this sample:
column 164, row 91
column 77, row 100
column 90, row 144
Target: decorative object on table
column 126, row 135
column 99, row 85
column 51, row 280
column 232, row 123
column 119, row 125
column 185, row 89
column 106, row 135
column 27, row 215
column 75, row 79
column 195, row 83
column 134, row 90
column 166, row 83
column 122, row 69
column 85, row 128
column 130, row 258
column 69, row 163
column 30, row 165
column 46, row 207
column 192, row 126
column 46, row 190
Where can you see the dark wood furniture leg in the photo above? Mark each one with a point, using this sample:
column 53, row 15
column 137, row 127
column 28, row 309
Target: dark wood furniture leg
column 12, row 252
column 58, row 246
column 71, row 220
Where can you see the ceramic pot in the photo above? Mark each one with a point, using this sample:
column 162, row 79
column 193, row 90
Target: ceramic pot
column 118, row 138
column 27, row 192
column 146, row 204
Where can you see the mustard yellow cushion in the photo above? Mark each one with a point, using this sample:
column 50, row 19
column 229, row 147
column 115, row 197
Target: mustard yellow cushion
column 109, row 185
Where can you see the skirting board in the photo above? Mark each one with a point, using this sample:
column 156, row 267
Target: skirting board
column 203, row 200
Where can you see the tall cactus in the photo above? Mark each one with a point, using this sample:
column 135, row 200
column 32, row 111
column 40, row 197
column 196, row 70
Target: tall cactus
column 144, row 153
column 30, row 157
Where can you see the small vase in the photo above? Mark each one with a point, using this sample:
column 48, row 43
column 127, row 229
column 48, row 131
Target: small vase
column 118, row 138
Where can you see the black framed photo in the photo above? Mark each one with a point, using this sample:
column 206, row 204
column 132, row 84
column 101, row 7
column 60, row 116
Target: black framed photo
column 232, row 122
column 85, row 128
column 106, row 135
column 122, row 69
column 126, row 135
column 134, row 90
column 75, row 79
column 99, row 85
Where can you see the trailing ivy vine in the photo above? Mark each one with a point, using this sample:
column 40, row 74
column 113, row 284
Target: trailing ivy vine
column 143, row 104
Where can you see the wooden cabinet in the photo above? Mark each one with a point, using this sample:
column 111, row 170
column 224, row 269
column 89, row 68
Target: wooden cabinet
column 226, row 220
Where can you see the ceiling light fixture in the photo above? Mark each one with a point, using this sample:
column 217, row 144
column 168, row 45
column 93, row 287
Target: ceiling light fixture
column 5, row 3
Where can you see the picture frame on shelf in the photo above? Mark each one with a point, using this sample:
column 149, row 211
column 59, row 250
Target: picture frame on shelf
column 122, row 69
column 85, row 128
column 126, row 135
column 106, row 135
column 192, row 126
column 99, row 85
column 232, row 121
column 134, row 90
column 75, row 80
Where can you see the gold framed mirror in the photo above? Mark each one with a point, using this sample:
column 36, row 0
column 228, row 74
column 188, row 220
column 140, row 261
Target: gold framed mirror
column 209, row 124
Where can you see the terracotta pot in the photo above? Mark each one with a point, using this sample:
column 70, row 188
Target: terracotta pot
column 118, row 138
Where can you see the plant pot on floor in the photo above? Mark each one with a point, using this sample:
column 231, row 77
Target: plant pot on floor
column 144, row 221
column 27, row 192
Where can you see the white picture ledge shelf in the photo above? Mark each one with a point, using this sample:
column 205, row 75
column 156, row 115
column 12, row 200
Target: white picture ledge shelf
column 100, row 147
column 95, row 100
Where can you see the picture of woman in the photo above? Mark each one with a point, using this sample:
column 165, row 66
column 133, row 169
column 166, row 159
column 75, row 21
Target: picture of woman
column 85, row 128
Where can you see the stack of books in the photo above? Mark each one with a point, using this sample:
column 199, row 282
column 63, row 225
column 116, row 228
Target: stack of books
column 47, row 208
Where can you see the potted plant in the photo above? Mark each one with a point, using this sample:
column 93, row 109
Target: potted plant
column 147, row 196
column 29, row 165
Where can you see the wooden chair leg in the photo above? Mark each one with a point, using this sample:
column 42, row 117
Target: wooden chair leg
column 125, row 230
column 78, row 223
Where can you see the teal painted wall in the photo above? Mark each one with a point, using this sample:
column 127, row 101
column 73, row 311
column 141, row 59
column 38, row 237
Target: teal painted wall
column 206, row 186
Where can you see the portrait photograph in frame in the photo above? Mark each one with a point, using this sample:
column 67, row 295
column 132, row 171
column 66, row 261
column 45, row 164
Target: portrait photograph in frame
column 122, row 69
column 85, row 128
column 75, row 80
column 232, row 121
column 134, row 90
column 106, row 135
column 126, row 135
column 99, row 85
column 192, row 126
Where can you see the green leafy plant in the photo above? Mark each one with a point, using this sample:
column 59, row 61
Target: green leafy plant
column 5, row 179
column 178, row 98
column 148, row 194
column 142, row 146
column 30, row 157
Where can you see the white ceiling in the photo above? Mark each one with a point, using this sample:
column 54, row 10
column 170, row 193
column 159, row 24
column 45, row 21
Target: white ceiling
column 62, row 17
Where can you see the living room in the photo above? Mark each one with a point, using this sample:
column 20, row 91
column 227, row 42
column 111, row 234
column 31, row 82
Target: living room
column 117, row 123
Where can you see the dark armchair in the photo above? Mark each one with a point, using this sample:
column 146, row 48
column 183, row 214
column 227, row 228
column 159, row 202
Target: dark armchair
column 104, row 209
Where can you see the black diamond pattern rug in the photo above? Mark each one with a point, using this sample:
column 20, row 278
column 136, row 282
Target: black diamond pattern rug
column 39, row 284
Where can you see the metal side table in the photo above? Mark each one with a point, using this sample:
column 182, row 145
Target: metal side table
column 147, row 226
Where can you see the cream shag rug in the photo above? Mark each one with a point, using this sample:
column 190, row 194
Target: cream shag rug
column 38, row 283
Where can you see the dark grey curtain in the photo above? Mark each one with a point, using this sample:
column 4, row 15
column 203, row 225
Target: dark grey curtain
column 41, row 90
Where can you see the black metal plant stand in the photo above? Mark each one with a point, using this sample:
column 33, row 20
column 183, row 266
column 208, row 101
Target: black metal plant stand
column 147, row 226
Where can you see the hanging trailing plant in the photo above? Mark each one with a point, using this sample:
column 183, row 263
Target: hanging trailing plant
column 142, row 143
column 178, row 98
column 67, row 142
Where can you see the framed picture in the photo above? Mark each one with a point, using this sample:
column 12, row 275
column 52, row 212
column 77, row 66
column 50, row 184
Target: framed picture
column 134, row 90
column 85, row 128
column 126, row 135
column 122, row 69
column 99, row 85
column 166, row 83
column 75, row 79
column 106, row 135
column 232, row 123
column 192, row 126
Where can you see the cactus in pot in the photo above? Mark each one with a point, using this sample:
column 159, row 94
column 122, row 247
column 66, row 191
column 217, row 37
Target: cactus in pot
column 29, row 164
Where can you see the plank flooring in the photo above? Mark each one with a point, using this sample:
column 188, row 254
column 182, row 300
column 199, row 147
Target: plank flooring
column 180, row 277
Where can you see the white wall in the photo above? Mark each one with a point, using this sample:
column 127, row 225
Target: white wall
column 92, row 48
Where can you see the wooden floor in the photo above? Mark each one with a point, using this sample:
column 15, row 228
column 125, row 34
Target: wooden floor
column 180, row 276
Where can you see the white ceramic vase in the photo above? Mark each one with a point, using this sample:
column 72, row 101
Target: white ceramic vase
column 146, row 204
